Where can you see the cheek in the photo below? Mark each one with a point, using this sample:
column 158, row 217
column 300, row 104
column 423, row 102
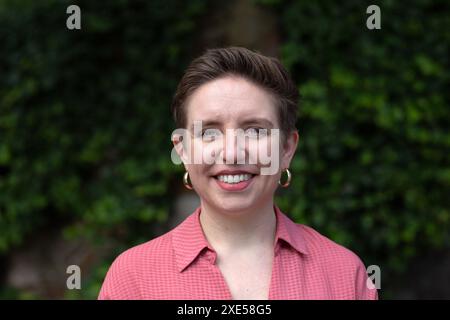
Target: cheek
column 271, row 180
column 205, row 152
column 265, row 152
column 198, row 176
column 259, row 150
column 252, row 149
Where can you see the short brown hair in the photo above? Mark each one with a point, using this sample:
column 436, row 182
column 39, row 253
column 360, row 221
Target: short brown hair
column 266, row 72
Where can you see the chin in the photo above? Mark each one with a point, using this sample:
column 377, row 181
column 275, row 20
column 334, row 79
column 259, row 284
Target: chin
column 234, row 205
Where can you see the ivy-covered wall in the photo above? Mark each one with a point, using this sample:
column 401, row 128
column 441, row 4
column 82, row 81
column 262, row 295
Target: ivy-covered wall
column 373, row 166
column 85, row 123
column 84, row 117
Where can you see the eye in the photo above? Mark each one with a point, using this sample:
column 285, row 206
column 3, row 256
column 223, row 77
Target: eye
column 211, row 134
column 255, row 132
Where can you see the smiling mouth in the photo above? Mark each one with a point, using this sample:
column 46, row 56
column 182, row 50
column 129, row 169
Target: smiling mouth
column 234, row 178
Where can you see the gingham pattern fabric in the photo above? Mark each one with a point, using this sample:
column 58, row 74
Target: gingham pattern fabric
column 180, row 264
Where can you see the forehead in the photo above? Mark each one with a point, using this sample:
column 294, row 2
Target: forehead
column 230, row 99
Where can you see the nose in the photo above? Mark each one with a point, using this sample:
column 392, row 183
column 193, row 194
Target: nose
column 234, row 147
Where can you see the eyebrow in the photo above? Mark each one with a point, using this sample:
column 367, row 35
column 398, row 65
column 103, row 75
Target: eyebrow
column 261, row 121
column 215, row 123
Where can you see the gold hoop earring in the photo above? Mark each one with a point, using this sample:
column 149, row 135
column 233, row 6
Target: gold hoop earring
column 288, row 181
column 186, row 181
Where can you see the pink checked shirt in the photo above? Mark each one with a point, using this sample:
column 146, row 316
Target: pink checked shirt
column 181, row 265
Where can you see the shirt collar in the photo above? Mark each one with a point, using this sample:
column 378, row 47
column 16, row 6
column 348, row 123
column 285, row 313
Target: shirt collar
column 289, row 231
column 189, row 241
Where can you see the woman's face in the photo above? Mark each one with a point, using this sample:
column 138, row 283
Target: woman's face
column 230, row 172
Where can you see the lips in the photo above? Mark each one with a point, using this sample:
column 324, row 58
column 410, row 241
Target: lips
column 233, row 172
column 234, row 180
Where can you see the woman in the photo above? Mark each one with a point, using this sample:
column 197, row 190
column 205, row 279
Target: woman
column 237, row 244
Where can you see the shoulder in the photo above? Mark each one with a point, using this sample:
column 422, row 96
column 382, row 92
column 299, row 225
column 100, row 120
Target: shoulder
column 327, row 250
column 341, row 266
column 145, row 253
column 134, row 266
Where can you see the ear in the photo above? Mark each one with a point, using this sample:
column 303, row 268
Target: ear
column 289, row 148
column 180, row 145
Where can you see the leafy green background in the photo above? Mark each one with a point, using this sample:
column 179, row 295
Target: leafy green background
column 85, row 123
column 374, row 162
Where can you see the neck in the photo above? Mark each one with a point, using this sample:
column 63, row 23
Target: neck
column 243, row 230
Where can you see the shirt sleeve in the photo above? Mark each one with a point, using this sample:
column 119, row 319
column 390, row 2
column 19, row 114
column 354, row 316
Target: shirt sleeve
column 120, row 282
column 365, row 288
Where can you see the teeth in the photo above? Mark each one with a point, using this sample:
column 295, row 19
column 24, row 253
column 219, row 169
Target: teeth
column 234, row 178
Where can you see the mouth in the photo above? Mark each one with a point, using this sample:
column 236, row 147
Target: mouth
column 234, row 182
